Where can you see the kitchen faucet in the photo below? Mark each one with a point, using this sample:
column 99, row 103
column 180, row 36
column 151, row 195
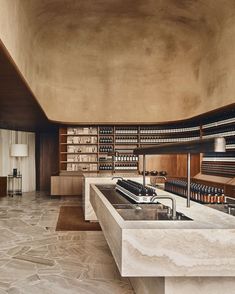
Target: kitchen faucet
column 121, row 178
column 160, row 177
column 170, row 198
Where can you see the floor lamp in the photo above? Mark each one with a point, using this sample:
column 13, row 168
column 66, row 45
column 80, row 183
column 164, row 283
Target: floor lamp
column 18, row 151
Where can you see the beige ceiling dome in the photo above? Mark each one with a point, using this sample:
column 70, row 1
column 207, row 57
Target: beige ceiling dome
column 123, row 60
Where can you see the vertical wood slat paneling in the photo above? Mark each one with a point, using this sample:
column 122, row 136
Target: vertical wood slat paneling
column 47, row 158
column 27, row 164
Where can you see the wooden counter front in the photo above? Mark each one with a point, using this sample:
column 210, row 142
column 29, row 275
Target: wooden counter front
column 66, row 185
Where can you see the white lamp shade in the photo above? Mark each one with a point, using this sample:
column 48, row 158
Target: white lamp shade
column 19, row 150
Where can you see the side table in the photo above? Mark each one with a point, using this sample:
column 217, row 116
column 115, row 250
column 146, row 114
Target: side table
column 14, row 185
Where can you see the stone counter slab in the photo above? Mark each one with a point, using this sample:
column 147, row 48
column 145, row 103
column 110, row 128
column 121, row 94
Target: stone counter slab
column 202, row 247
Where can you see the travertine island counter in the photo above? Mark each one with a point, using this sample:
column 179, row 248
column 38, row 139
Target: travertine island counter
column 172, row 256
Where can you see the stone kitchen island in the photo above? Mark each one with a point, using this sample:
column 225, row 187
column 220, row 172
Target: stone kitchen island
column 171, row 257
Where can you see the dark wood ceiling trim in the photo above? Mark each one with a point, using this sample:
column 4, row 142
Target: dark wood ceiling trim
column 19, row 109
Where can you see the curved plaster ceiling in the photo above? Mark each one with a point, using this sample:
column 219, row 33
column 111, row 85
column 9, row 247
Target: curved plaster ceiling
column 125, row 60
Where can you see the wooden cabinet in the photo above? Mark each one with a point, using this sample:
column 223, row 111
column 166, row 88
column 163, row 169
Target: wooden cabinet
column 230, row 188
column 66, row 185
column 3, row 186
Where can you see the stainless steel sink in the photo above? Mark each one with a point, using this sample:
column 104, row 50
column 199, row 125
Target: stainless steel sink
column 106, row 187
column 149, row 214
column 129, row 210
column 153, row 206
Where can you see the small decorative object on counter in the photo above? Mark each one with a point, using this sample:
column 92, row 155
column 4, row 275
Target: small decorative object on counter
column 146, row 173
column 153, row 177
column 154, row 173
column 163, row 173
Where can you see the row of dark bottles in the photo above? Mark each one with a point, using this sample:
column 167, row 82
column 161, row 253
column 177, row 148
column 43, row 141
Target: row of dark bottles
column 154, row 130
column 105, row 166
column 126, row 166
column 167, row 139
column 225, row 131
column 219, row 119
column 198, row 192
column 126, row 130
column 106, row 148
column 126, row 140
column 230, row 144
column 136, row 188
column 106, row 130
column 126, row 158
column 106, row 140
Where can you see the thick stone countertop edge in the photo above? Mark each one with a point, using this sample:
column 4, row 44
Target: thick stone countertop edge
column 203, row 217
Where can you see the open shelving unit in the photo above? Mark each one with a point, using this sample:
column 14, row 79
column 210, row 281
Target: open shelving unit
column 79, row 149
column 110, row 148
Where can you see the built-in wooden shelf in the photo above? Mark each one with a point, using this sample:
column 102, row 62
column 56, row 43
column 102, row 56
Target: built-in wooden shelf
column 214, row 123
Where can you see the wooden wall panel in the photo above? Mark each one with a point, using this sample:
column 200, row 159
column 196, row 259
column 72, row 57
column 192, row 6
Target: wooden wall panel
column 175, row 165
column 66, row 185
column 181, row 165
column 160, row 163
column 47, row 158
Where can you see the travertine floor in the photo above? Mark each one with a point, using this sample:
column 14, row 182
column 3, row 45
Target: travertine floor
column 36, row 259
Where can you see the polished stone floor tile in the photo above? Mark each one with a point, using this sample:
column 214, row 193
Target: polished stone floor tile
column 35, row 259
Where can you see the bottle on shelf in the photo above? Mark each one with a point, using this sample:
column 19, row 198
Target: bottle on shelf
column 126, row 130
column 126, row 157
column 126, row 139
column 105, row 166
column 198, row 192
column 124, row 166
column 106, row 130
column 105, row 149
column 105, row 140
